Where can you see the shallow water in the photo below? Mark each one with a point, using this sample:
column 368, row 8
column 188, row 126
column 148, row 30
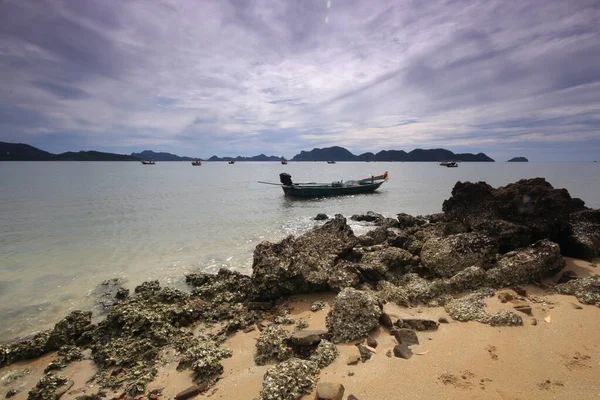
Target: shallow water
column 67, row 226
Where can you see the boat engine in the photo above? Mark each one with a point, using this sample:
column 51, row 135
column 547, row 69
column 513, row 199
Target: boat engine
column 285, row 179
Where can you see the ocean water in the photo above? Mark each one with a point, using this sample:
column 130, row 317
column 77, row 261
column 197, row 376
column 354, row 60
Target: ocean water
column 67, row 226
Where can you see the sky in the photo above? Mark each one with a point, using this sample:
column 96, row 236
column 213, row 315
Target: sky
column 231, row 77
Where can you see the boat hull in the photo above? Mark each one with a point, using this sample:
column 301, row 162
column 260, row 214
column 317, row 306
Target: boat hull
column 325, row 191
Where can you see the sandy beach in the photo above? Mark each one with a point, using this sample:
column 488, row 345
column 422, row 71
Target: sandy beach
column 558, row 358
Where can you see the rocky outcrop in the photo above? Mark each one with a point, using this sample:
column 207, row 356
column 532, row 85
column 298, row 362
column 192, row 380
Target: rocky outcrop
column 447, row 256
column 303, row 264
column 582, row 237
column 353, row 315
column 587, row 290
column 532, row 206
column 526, row 265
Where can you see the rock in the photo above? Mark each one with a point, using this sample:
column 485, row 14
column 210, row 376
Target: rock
column 11, row 393
column 317, row 306
column 370, row 216
column 371, row 342
column 443, row 320
column 505, row 297
column 307, row 338
column 69, row 329
column 417, row 324
column 289, row 380
column 50, row 387
column 329, row 391
column 259, row 305
column 272, row 345
column 587, row 290
column 576, row 306
column 530, row 264
column 447, row 256
column 533, row 321
column 567, row 276
column 406, row 336
column 365, row 354
column 377, row 236
column 375, row 265
column 345, row 275
column 304, row 264
column 520, row 291
column 353, row 315
column 386, row 320
column 352, row 397
column 325, row 353
column 187, row 393
column 402, row 351
column 581, row 239
column 510, row 235
column 407, row 221
column 321, row 217
column 470, row 278
column 353, row 359
column 388, row 353
column 506, row 318
column 532, row 203
column 522, row 306
column 122, row 293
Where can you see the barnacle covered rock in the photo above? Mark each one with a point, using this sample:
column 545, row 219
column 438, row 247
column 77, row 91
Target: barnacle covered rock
column 325, row 353
column 587, row 290
column 289, row 380
column 272, row 345
column 353, row 314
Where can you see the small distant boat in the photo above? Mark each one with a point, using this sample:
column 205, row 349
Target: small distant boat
column 313, row 189
column 196, row 162
column 148, row 162
column 330, row 162
column 449, row 164
column 231, row 161
column 284, row 162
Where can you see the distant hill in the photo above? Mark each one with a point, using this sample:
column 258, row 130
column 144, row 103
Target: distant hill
column 260, row 157
column 151, row 155
column 518, row 159
column 25, row 152
column 337, row 153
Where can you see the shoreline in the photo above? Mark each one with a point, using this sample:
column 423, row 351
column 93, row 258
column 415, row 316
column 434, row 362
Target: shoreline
column 476, row 301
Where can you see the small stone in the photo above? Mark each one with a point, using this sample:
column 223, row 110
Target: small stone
column 520, row 291
column 321, row 217
column 353, row 359
column 505, row 297
column 307, row 338
column 406, row 336
column 187, row 393
column 365, row 354
column 576, row 306
column 352, row 397
column 443, row 320
column 522, row 306
column 372, row 342
column 317, row 306
column 388, row 353
column 11, row 393
column 386, row 320
column 350, row 373
column 402, row 351
column 533, row 321
column 417, row 324
column 329, row 391
column 249, row 328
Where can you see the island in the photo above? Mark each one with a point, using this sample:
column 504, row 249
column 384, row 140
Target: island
column 518, row 159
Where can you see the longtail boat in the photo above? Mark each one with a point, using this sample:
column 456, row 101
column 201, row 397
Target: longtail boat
column 336, row 188
column 196, row 163
column 148, row 162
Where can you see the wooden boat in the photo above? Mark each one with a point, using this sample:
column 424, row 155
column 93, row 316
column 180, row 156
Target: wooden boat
column 313, row 189
column 331, row 162
column 231, row 161
column 148, row 162
column 452, row 164
column 196, row 162
column 284, row 162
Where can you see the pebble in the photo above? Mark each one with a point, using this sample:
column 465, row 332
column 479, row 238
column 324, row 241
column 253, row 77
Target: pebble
column 402, row 351
column 443, row 320
column 187, row 393
column 371, row 342
column 533, row 321
column 329, row 391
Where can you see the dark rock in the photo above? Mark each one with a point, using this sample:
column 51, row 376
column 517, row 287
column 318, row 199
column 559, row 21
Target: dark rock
column 122, row 293
column 148, row 288
column 353, row 315
column 344, row 275
column 370, row 216
column 520, row 291
column 407, row 221
column 567, row 276
column 510, row 235
column 587, row 290
column 376, row 236
column 402, row 351
column 505, row 297
column 321, row 217
column 406, row 336
column 443, row 320
column 527, row 265
column 317, row 306
column 371, row 342
column 259, row 305
column 522, row 306
column 352, row 397
column 272, row 345
column 329, row 391
column 365, row 354
column 447, row 256
column 386, row 320
column 307, row 338
column 11, row 393
column 353, row 359
column 581, row 239
column 303, row 264
column 532, row 203
column 417, row 324
column 50, row 387
column 469, row 278
column 325, row 354
column 187, row 393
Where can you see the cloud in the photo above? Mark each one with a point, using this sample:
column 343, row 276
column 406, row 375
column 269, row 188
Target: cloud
column 265, row 76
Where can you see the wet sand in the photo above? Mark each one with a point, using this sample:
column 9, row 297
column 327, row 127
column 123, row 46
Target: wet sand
column 559, row 358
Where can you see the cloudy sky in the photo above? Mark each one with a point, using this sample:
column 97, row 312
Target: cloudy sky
column 235, row 77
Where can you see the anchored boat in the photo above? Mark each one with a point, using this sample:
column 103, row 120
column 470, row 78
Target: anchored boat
column 337, row 188
column 148, row 162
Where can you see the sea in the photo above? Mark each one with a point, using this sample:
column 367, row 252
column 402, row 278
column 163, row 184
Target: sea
column 65, row 227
